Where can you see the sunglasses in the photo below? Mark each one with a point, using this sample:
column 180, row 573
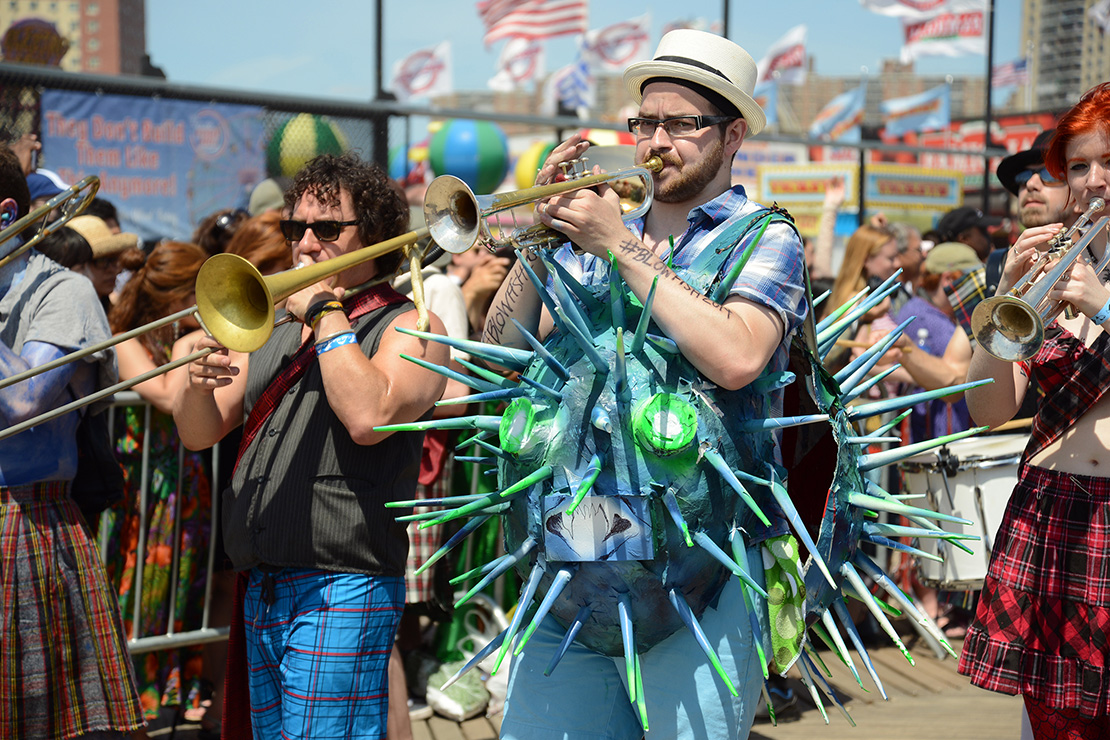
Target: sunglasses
column 325, row 231
column 675, row 125
column 1022, row 177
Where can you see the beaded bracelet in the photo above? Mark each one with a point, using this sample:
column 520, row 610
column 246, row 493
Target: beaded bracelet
column 1103, row 314
column 336, row 340
column 319, row 309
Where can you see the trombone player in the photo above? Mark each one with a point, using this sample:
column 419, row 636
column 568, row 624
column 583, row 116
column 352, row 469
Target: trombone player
column 304, row 517
column 70, row 673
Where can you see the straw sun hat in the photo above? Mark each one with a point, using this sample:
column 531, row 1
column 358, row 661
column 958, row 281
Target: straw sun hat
column 103, row 242
column 705, row 59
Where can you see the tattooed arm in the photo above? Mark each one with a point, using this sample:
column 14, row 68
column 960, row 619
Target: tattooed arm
column 517, row 299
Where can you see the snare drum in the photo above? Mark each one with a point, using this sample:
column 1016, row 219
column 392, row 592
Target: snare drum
column 971, row 479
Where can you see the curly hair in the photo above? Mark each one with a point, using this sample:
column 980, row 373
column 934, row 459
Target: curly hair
column 1091, row 113
column 167, row 278
column 381, row 213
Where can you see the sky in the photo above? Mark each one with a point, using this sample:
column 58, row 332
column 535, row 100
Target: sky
column 326, row 49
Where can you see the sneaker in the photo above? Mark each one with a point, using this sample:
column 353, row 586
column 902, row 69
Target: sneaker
column 785, row 703
column 419, row 710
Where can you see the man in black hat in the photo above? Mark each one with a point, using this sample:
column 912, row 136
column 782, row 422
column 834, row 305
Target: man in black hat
column 969, row 226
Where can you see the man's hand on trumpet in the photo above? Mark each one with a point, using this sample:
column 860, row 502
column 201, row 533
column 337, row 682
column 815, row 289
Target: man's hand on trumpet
column 1028, row 247
column 591, row 219
column 1082, row 288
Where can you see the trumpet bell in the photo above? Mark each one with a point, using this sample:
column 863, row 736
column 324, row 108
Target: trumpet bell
column 1008, row 328
column 235, row 302
column 453, row 213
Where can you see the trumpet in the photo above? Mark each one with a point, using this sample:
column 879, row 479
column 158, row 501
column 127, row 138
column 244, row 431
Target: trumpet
column 458, row 219
column 72, row 201
column 1011, row 326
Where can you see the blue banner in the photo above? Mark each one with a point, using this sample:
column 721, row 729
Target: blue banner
column 766, row 94
column 841, row 118
column 927, row 111
column 164, row 164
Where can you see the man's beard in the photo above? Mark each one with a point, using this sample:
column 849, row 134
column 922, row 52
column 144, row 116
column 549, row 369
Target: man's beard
column 1036, row 215
column 691, row 180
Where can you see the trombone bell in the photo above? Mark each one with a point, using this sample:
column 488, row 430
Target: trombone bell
column 235, row 303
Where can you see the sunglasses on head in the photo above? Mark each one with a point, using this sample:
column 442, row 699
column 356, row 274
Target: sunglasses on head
column 1022, row 177
column 230, row 220
column 325, row 231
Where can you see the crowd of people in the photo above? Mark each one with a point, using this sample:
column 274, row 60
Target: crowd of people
column 316, row 578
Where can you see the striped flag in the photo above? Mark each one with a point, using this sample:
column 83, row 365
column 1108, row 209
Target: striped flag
column 785, row 61
column 615, row 47
column 927, row 111
column 944, row 34
column 424, row 73
column 1010, row 73
column 521, row 60
column 572, row 85
column 918, row 9
column 841, row 118
column 534, row 19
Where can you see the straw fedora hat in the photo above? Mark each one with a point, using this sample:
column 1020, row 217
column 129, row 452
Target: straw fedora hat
column 708, row 60
column 103, row 242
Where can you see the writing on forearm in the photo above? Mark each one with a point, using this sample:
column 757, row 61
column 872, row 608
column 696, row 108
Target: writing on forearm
column 499, row 313
column 638, row 252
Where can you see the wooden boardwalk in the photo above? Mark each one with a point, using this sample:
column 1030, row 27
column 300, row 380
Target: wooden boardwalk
column 929, row 701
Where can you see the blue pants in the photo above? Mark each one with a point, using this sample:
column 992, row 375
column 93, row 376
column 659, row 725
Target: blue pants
column 586, row 696
column 318, row 646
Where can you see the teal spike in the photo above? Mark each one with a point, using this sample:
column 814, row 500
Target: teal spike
column 686, row 614
column 599, row 417
column 720, row 293
column 443, row 501
column 593, row 469
column 831, row 319
column 517, row 359
column 850, row 573
column 819, row 630
column 645, row 319
column 780, row 422
column 512, row 491
column 889, row 457
column 504, row 394
column 904, row 402
column 620, row 371
column 830, row 694
column 874, row 489
column 890, row 425
column 897, row 530
column 497, row 451
column 542, row 352
column 840, row 648
column 867, row 385
column 706, row 543
column 808, row 682
column 568, row 638
column 671, row 503
column 484, row 434
column 771, row 382
column 585, row 343
column 833, row 332
column 641, row 703
column 590, row 304
column 465, row 531
column 551, row 393
column 863, row 501
column 856, row 370
column 471, row 382
column 849, row 626
column 740, row 555
column 881, row 541
column 731, row 477
column 424, row 516
column 868, row 440
column 503, row 564
column 891, row 611
column 795, row 519
column 814, row 654
column 821, row 298
column 558, row 583
column 568, row 305
column 616, row 293
column 483, row 460
column 663, row 344
column 479, row 571
column 522, row 606
column 481, row 655
column 624, row 614
column 486, row 374
column 545, row 297
column 485, row 423
column 872, row 569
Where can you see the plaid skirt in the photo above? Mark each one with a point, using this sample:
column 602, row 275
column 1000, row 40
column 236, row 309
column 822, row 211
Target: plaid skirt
column 64, row 667
column 1042, row 628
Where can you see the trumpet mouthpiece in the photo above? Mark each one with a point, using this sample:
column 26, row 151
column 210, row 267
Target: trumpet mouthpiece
column 1096, row 204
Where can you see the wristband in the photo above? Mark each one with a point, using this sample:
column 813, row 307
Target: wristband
column 1103, row 314
column 317, row 310
column 338, row 340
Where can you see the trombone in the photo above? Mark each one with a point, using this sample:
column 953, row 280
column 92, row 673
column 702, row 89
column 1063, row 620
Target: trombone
column 1011, row 326
column 72, row 201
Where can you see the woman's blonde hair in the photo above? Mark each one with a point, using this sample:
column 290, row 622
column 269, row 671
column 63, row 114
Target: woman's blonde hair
column 865, row 242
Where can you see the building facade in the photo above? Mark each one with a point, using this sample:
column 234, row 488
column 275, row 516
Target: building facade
column 98, row 36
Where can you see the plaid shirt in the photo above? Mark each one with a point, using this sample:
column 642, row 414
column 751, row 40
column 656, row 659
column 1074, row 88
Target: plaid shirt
column 965, row 294
column 1075, row 378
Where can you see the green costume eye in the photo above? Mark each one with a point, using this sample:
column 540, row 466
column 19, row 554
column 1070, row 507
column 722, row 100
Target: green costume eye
column 665, row 424
column 516, row 425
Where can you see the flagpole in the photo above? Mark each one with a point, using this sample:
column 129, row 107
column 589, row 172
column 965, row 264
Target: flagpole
column 987, row 118
column 724, row 18
column 380, row 134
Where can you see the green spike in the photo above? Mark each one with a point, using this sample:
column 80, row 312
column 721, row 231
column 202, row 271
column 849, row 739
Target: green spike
column 872, row 569
column 889, row 457
column 474, row 506
column 817, row 656
column 795, row 519
column 872, row 605
column 501, row 394
column 521, row 608
column 496, row 451
column 780, row 422
column 663, row 344
column 721, row 292
column 863, row 501
column 829, row 335
column 503, row 564
column 867, row 385
column 900, row 547
column 485, row 423
column 561, row 322
column 568, row 304
column 620, row 381
column 444, row 501
column 645, row 318
column 624, row 614
column 558, row 583
column 866, row 441
column 542, row 352
column 671, row 503
column 904, row 402
column 890, row 425
column 517, row 359
column 897, row 530
column 691, row 621
column 807, row 681
column 585, row 343
column 641, row 702
column 856, row 370
column 732, row 477
column 467, row 380
column 891, row 611
column 616, row 293
column 551, row 393
column 591, row 305
column 831, row 319
column 568, row 638
column 770, row 382
column 464, row 531
column 827, row 690
column 499, row 381
column 481, row 655
column 740, row 555
column 587, row 483
column 706, row 543
column 841, row 650
column 861, row 650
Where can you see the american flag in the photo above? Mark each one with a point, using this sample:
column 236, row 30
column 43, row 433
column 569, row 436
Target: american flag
column 534, row 19
column 574, row 85
column 1010, row 73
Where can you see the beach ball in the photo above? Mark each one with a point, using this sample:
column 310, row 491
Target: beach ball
column 298, row 140
column 476, row 152
column 529, row 163
column 399, row 163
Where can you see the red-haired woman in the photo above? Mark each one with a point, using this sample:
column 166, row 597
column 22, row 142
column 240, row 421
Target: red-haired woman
column 1042, row 628
column 163, row 285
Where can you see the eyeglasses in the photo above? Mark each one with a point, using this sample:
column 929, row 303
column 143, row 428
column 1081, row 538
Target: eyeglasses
column 1022, row 177
column 325, row 231
column 675, row 125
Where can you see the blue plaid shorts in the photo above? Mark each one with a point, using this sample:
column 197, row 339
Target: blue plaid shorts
column 318, row 645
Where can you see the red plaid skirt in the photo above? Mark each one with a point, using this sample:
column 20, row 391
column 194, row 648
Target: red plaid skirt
column 1042, row 628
